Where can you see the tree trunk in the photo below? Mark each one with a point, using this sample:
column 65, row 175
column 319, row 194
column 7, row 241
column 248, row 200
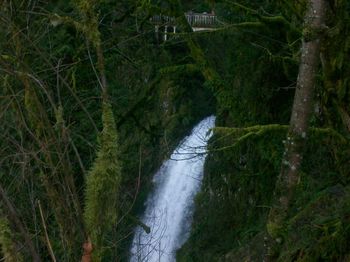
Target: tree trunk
column 302, row 108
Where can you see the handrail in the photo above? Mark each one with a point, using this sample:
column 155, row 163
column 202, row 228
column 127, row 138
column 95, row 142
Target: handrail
column 194, row 19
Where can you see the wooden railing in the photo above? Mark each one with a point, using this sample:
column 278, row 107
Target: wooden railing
column 163, row 20
column 201, row 20
column 206, row 20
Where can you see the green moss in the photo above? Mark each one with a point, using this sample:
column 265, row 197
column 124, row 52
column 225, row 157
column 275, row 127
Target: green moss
column 274, row 229
column 310, row 33
column 102, row 187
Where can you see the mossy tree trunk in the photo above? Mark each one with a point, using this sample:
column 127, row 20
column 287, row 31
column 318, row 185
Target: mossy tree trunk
column 103, row 180
column 302, row 108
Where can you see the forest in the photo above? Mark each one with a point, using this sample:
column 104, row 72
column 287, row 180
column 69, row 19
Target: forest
column 94, row 97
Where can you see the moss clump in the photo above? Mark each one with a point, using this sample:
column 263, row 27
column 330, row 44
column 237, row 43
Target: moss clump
column 102, row 187
column 274, row 229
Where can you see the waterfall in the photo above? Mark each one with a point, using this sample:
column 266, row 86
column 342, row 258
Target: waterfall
column 169, row 207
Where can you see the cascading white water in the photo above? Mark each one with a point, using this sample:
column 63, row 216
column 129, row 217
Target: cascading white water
column 169, row 208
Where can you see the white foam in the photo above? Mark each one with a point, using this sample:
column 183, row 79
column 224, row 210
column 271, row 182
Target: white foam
column 169, row 208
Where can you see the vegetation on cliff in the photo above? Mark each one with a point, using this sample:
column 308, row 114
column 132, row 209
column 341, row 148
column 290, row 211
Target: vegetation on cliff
column 231, row 220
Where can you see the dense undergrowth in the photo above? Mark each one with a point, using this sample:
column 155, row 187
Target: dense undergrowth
column 237, row 195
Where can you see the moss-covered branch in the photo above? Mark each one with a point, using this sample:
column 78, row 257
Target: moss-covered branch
column 102, row 187
column 179, row 69
column 271, row 20
column 241, row 135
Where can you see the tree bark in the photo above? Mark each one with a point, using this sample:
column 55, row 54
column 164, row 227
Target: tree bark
column 302, row 108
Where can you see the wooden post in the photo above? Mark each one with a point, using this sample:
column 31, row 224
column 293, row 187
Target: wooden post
column 156, row 30
column 165, row 33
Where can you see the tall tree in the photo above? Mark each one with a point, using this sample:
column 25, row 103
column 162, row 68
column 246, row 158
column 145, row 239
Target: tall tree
column 302, row 107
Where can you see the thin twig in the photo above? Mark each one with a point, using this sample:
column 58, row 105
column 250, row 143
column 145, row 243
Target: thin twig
column 46, row 235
